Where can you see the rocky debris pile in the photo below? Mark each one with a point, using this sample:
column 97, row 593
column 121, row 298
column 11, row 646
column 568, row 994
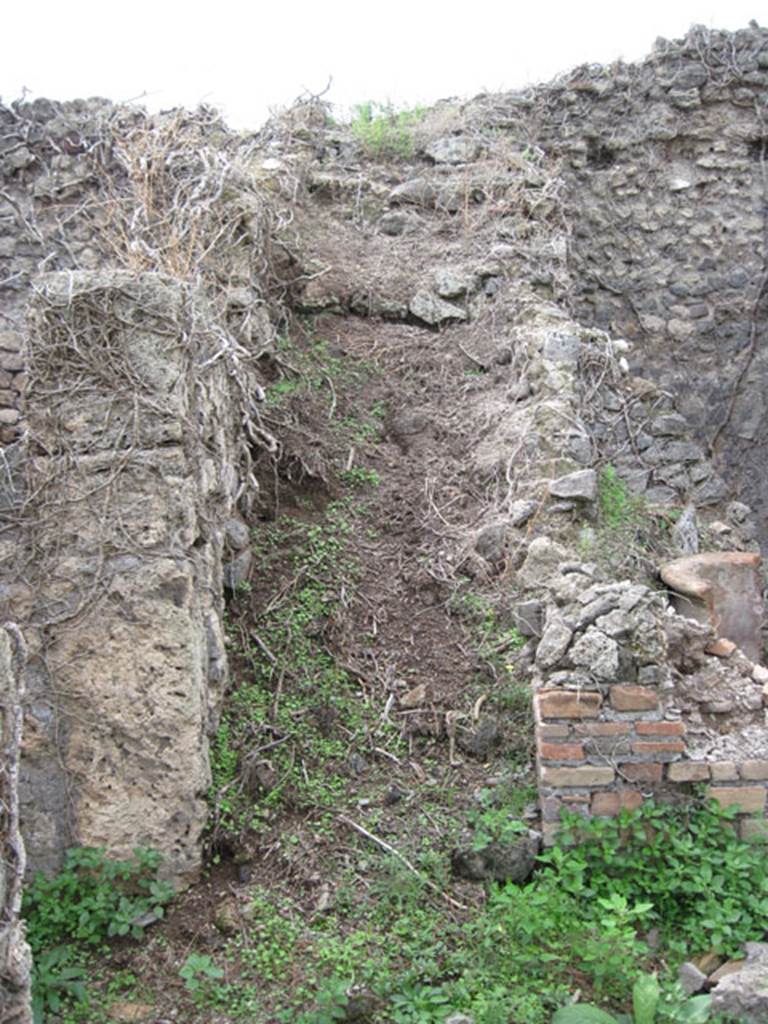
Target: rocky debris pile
column 87, row 185
column 739, row 988
column 631, row 696
column 498, row 860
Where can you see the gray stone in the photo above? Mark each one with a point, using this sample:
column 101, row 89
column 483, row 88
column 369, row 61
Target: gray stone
column 450, row 199
column 453, row 283
column 691, row 978
column 598, row 653
column 616, row 624
column 482, row 740
column 541, row 561
column 491, row 543
column 580, row 448
column 529, row 618
column 607, row 746
column 521, row 511
column 682, row 451
column 738, row 512
column 498, row 861
column 562, row 348
column 554, row 640
column 433, row 310
column 399, row 222
column 417, row 191
column 601, row 605
column 685, row 532
column 459, row 1018
column 237, row 570
column 236, row 534
column 520, row 391
column 685, row 99
column 453, row 149
column 669, row 425
column 743, row 996
column 581, row 485
column 18, row 159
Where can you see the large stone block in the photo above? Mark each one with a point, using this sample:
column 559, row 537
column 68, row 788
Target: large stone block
column 750, row 799
column 723, row 589
column 568, row 704
column 586, row 776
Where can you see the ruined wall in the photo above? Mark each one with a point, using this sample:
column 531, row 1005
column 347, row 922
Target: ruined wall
column 128, row 480
column 664, row 166
column 136, row 287
column 133, row 256
column 15, row 960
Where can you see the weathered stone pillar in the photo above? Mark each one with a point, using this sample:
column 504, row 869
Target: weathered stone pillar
column 723, row 589
column 129, row 482
column 15, row 959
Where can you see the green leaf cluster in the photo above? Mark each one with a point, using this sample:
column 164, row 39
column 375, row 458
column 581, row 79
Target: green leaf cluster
column 385, row 132
column 92, row 899
column 707, row 888
column 646, row 1006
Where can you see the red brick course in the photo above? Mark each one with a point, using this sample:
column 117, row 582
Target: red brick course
column 634, row 698
column 561, row 751
column 662, row 747
column 660, row 729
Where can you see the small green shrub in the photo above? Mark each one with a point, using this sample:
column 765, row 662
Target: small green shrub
column 494, row 823
column 56, row 980
column 92, row 899
column 617, row 507
column 707, row 888
column 307, row 699
column 629, row 536
column 360, row 476
column 198, row 973
column 646, row 996
column 384, row 131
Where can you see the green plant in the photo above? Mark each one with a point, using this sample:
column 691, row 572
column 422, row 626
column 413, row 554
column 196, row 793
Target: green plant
column 617, row 506
column 93, row 898
column 384, row 131
column 330, row 1004
column 420, row 1004
column 707, row 888
column 56, row 979
column 646, row 994
column 360, row 476
column 630, row 536
column 494, row 823
column 605, row 947
column 297, row 694
column 361, row 432
column 198, row 972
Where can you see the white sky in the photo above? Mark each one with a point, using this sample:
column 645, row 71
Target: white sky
column 251, row 56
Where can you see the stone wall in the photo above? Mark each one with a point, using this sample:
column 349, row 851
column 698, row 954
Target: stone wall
column 128, row 480
column 133, row 267
column 666, row 191
column 15, row 961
